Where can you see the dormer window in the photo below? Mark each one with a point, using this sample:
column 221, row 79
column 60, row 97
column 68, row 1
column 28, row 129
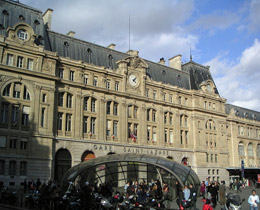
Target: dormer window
column 22, row 34
column 209, row 88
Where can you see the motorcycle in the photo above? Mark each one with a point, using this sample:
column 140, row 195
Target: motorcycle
column 233, row 202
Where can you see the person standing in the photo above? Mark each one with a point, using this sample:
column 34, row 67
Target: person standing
column 203, row 189
column 186, row 193
column 253, row 200
column 193, row 197
column 222, row 193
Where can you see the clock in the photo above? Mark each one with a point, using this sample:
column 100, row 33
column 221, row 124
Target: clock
column 133, row 80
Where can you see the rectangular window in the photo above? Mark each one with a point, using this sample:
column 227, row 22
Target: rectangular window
column 3, row 141
column 148, row 133
column 115, row 128
column 115, row 109
column 154, row 94
column 26, row 94
column 23, row 144
column 93, row 105
column 4, row 113
column 163, row 96
column 171, row 136
column 2, row 167
column 10, row 60
column 72, row 75
column 154, row 116
column 211, row 157
column 23, row 168
column 108, row 107
column 129, row 130
column 61, row 72
column 30, row 64
column 85, row 103
column 135, row 129
column 19, row 62
column 44, row 96
column 207, row 157
column 170, row 119
column 108, row 128
column 209, row 105
column 59, row 121
column 12, row 167
column 85, row 124
column 147, row 92
column 214, row 106
column 108, row 84
column 15, row 114
column 95, row 81
column 117, row 86
column 129, row 111
column 180, row 100
column 60, row 99
column 205, row 104
column 171, row 98
column 216, row 158
column 25, row 115
column 135, row 112
column 181, row 137
column 93, row 125
column 68, row 122
column 13, row 142
column 154, row 134
column 69, row 100
column 165, row 135
column 165, row 118
column 43, row 117
column 85, row 79
column 186, row 137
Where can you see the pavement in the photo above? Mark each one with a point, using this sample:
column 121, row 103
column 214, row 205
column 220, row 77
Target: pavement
column 244, row 194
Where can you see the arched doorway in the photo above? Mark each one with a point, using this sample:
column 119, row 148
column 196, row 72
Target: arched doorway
column 87, row 155
column 62, row 164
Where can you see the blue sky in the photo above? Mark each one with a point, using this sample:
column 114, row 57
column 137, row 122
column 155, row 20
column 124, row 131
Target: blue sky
column 223, row 34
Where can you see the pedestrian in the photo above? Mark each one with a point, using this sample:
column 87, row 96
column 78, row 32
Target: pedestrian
column 203, row 189
column 253, row 200
column 193, row 197
column 222, row 193
column 238, row 185
column 25, row 186
column 213, row 191
column 186, row 193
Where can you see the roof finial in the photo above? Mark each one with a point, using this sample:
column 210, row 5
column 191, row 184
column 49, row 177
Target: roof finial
column 190, row 53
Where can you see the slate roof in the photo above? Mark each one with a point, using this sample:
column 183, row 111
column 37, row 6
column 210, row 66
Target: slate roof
column 188, row 78
column 243, row 112
column 11, row 12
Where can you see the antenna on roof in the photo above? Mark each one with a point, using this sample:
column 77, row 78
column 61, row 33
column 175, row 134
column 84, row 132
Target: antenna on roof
column 129, row 33
column 190, row 53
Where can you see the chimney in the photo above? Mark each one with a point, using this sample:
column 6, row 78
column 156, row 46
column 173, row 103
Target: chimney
column 47, row 17
column 71, row 33
column 162, row 61
column 175, row 62
column 111, row 46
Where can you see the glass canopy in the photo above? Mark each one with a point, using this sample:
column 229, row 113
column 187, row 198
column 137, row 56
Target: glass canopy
column 118, row 169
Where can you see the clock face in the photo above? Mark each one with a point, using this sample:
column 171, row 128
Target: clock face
column 133, row 80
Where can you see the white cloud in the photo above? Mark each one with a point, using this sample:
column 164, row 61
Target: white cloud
column 254, row 16
column 239, row 82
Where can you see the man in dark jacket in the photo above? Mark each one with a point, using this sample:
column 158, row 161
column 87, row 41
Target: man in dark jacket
column 193, row 197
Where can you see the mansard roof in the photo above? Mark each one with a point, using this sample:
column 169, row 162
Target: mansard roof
column 190, row 77
column 13, row 12
column 242, row 112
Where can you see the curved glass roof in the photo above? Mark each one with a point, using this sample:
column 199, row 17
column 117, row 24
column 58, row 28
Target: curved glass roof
column 182, row 173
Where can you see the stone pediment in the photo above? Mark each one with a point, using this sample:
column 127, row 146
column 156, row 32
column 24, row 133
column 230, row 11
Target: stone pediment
column 134, row 62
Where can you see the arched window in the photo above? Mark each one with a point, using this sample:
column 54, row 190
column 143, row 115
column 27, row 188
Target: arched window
column 87, row 155
column 250, row 151
column 210, row 125
column 62, row 163
column 241, row 151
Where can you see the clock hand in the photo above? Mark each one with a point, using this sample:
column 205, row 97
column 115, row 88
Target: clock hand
column 134, row 80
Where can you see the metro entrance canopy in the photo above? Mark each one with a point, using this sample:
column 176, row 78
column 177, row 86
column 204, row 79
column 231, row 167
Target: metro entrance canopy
column 120, row 168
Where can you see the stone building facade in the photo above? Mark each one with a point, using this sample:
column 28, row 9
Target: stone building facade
column 65, row 100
